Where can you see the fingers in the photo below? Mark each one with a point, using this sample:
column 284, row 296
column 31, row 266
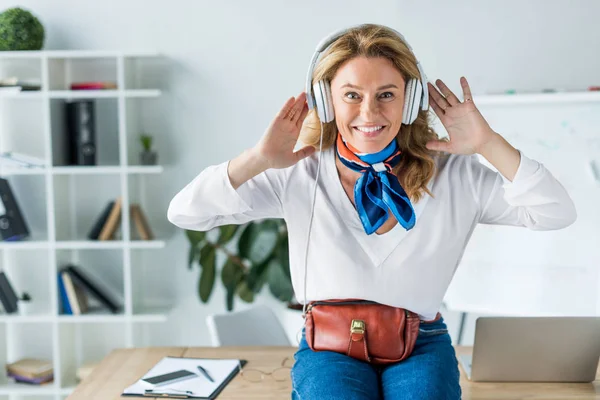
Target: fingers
column 438, row 145
column 296, row 108
column 304, row 152
column 302, row 116
column 286, row 107
column 466, row 89
column 436, row 108
column 439, row 100
column 450, row 97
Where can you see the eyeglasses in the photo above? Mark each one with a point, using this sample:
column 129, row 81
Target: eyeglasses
column 280, row 374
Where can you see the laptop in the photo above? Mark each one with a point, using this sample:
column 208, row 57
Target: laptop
column 534, row 349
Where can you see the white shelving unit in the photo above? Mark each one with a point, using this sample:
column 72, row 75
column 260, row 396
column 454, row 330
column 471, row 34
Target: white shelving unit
column 61, row 203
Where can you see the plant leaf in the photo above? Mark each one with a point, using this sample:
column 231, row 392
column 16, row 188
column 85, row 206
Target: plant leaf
column 257, row 275
column 231, row 274
column 279, row 284
column 258, row 241
column 244, row 292
column 283, row 255
column 192, row 256
column 229, row 297
column 226, row 233
column 195, row 237
column 207, row 277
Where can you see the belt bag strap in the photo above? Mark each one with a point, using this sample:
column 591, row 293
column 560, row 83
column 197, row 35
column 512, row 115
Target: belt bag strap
column 362, row 329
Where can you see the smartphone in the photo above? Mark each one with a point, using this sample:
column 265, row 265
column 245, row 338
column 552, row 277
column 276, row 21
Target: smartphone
column 171, row 377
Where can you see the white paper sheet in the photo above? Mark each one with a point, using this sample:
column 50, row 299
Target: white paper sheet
column 218, row 369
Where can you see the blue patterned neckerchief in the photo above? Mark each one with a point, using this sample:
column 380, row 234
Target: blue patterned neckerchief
column 378, row 188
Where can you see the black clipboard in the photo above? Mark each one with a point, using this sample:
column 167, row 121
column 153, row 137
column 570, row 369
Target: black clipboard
column 213, row 396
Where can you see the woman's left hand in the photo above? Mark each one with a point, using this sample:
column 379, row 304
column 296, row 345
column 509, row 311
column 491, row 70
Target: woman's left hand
column 466, row 127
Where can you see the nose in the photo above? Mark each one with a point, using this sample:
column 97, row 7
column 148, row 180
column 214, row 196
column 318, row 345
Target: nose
column 369, row 108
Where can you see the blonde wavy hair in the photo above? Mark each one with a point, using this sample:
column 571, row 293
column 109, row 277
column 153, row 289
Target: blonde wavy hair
column 417, row 165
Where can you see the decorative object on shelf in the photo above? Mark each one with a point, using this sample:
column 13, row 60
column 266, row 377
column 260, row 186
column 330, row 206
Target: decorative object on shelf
column 20, row 30
column 24, row 304
column 8, row 297
column 13, row 226
column 93, row 85
column 262, row 257
column 31, row 371
column 147, row 156
column 81, row 132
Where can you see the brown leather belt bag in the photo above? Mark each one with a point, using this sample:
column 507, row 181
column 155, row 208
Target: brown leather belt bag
column 362, row 329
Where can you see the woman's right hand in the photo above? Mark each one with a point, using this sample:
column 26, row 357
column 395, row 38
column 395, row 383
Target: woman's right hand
column 276, row 147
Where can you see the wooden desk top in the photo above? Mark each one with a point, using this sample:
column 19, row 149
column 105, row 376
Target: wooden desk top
column 123, row 367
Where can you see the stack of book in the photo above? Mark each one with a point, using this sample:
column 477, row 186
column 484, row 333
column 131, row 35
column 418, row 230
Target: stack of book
column 107, row 223
column 30, row 370
column 74, row 287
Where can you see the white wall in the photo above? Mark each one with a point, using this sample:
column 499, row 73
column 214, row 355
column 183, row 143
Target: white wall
column 233, row 64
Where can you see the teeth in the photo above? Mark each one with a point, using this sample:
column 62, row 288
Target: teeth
column 365, row 129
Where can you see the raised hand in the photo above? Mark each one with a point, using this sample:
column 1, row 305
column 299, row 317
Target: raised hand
column 466, row 127
column 276, row 147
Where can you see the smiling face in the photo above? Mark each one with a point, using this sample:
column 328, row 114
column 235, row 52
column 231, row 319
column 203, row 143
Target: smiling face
column 368, row 98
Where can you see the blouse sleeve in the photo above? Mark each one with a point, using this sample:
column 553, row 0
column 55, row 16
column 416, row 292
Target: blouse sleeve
column 534, row 199
column 210, row 200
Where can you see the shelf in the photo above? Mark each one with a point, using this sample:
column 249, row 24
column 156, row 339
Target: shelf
column 65, row 201
column 84, row 170
column 112, row 318
column 22, row 95
column 83, row 94
column 84, row 244
column 26, row 318
column 27, row 389
column 110, row 244
column 96, row 169
column 103, row 316
column 76, row 54
column 100, row 94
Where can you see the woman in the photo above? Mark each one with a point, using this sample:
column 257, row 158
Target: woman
column 391, row 235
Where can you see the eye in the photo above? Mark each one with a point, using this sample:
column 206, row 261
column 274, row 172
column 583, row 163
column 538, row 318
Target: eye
column 351, row 93
column 391, row 95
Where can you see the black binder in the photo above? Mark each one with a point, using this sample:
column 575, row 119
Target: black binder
column 8, row 296
column 13, row 226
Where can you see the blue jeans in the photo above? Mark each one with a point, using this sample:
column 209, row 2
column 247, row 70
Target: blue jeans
column 430, row 372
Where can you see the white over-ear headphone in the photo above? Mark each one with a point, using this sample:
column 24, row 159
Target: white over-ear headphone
column 319, row 95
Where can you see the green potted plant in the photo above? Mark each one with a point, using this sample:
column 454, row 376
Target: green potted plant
column 260, row 258
column 147, row 156
column 20, row 30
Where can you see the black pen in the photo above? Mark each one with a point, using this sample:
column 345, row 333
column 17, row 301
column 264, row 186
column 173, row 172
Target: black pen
column 205, row 372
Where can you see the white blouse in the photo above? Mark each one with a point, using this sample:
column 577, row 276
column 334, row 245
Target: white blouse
column 408, row 269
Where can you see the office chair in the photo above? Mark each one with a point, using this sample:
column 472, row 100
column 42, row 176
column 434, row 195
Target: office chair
column 256, row 326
